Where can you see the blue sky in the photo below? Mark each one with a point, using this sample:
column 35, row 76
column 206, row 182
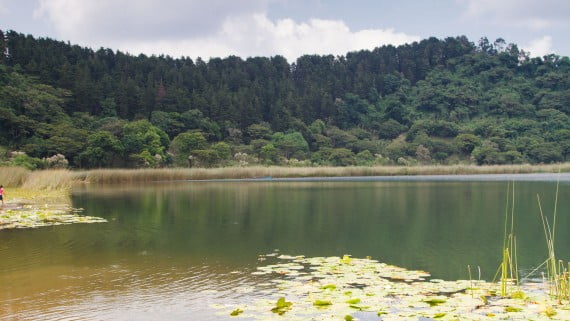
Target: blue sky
column 212, row 28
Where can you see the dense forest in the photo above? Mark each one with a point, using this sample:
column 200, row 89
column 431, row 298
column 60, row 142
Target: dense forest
column 434, row 101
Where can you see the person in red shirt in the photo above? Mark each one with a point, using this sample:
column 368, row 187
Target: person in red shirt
column 2, row 194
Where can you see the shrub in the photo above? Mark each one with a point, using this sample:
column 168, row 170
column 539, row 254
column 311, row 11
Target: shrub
column 243, row 159
column 423, row 154
column 402, row 161
column 291, row 143
column 399, row 148
column 318, row 127
column 546, row 153
column 256, row 144
column 438, row 145
column 340, row 138
column 183, row 144
column 321, row 156
column 390, row 129
column 465, row 143
column 440, row 156
column 487, row 153
column 145, row 159
column 366, row 144
column 342, row 157
column 56, row 161
column 320, row 141
column 259, row 131
column 223, row 150
column 205, row 157
column 365, row 158
column 23, row 160
column 269, row 153
column 513, row 157
column 432, row 128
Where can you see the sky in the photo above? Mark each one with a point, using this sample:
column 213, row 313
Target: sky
column 291, row 28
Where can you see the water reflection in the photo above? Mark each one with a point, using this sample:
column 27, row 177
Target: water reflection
column 169, row 250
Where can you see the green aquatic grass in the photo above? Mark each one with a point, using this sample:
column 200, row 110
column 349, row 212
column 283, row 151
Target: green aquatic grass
column 508, row 268
column 556, row 270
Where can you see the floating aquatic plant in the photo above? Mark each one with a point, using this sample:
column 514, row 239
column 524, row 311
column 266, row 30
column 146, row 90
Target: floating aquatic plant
column 327, row 288
column 281, row 306
column 33, row 208
column 322, row 303
column 236, row 312
column 31, row 218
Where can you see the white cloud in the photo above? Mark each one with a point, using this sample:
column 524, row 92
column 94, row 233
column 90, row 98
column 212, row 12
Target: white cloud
column 105, row 20
column 527, row 14
column 257, row 35
column 4, row 8
column 291, row 39
column 539, row 47
column 213, row 28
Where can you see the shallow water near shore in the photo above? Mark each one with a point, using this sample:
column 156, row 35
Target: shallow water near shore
column 171, row 250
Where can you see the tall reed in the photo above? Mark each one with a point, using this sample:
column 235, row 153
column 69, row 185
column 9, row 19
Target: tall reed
column 114, row 176
column 53, row 179
column 13, row 176
column 557, row 270
column 509, row 265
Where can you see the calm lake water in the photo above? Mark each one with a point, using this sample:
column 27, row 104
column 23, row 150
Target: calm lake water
column 170, row 250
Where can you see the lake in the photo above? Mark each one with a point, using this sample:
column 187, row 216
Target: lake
column 170, row 250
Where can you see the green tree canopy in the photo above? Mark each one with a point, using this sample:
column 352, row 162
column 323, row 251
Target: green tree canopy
column 103, row 150
column 183, row 145
column 141, row 139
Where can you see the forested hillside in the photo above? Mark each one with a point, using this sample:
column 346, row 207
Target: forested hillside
column 435, row 101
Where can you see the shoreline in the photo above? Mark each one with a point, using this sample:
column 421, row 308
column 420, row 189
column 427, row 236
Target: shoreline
column 57, row 179
column 122, row 176
column 519, row 177
column 31, row 208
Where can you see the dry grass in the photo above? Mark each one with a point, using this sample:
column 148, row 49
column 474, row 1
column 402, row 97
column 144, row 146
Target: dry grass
column 114, row 176
column 13, row 176
column 61, row 179
column 54, row 179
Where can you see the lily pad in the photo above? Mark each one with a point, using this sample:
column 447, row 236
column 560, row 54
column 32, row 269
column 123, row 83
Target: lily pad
column 321, row 303
column 281, row 306
column 327, row 288
column 32, row 209
column 236, row 312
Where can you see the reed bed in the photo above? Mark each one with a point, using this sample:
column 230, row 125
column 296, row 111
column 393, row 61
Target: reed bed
column 121, row 176
column 54, row 179
column 57, row 179
column 13, row 176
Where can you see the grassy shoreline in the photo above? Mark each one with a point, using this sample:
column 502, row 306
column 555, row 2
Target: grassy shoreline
column 63, row 179
column 31, row 208
column 38, row 199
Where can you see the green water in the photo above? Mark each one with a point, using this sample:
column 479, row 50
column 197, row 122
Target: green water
column 170, row 250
